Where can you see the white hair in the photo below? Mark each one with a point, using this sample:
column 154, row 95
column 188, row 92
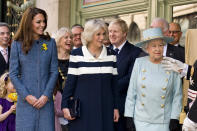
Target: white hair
column 90, row 28
column 59, row 33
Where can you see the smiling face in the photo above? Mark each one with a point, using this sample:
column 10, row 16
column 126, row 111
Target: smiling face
column 116, row 35
column 4, row 36
column 76, row 31
column 98, row 38
column 175, row 32
column 155, row 50
column 65, row 42
column 38, row 25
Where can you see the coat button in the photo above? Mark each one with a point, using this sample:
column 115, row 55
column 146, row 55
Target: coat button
column 167, row 72
column 142, row 104
column 143, row 95
column 162, row 105
column 164, row 88
column 143, row 86
column 167, row 80
column 162, row 97
column 143, row 70
column 143, row 78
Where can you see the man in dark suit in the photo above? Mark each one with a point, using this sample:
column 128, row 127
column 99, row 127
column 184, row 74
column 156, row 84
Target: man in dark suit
column 126, row 55
column 169, row 49
column 176, row 33
column 4, row 50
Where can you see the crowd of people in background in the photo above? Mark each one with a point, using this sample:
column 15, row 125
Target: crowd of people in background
column 120, row 86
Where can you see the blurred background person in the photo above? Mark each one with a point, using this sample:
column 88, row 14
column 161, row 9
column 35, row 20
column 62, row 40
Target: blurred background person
column 77, row 30
column 154, row 97
column 4, row 47
column 176, row 33
column 63, row 38
column 92, row 77
column 33, row 72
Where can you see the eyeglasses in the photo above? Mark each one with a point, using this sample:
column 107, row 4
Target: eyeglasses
column 174, row 32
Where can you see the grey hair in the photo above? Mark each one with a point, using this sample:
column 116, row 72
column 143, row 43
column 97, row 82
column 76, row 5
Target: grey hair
column 4, row 24
column 59, row 34
column 91, row 27
column 77, row 26
column 163, row 21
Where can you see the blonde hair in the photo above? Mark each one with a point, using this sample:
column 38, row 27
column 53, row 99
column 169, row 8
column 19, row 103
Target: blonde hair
column 90, row 28
column 4, row 80
column 121, row 23
column 59, row 34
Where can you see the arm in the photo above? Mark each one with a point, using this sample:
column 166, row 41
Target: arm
column 53, row 72
column 57, row 104
column 7, row 113
column 177, row 97
column 123, row 82
column 115, row 91
column 14, row 71
column 115, row 85
column 70, row 86
column 71, row 81
column 131, row 93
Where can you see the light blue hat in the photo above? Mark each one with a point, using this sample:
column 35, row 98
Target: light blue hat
column 152, row 34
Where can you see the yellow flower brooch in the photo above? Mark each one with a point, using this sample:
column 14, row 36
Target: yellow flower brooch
column 44, row 47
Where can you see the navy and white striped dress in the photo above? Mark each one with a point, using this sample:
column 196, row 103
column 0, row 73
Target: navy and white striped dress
column 94, row 82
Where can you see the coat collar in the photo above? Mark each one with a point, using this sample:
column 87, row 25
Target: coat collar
column 89, row 56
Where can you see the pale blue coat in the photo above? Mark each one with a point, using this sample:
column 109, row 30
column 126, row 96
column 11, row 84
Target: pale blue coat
column 34, row 74
column 154, row 95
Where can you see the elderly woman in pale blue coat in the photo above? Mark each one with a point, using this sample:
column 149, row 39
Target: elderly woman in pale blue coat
column 154, row 96
column 34, row 71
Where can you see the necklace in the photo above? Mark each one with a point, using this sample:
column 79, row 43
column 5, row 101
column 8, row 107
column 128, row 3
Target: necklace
column 63, row 77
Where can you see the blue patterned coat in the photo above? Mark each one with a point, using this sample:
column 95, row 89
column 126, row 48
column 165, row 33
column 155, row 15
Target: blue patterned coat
column 34, row 74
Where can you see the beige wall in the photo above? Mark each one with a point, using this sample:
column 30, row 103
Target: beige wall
column 51, row 7
column 58, row 13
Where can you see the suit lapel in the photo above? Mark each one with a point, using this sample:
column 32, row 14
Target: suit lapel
column 170, row 51
column 2, row 59
column 122, row 53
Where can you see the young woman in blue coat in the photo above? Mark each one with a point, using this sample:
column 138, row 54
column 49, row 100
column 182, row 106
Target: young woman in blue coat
column 34, row 71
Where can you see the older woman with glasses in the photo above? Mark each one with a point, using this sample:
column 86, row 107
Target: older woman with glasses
column 154, row 96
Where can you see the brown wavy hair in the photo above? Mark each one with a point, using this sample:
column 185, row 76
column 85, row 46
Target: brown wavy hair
column 25, row 32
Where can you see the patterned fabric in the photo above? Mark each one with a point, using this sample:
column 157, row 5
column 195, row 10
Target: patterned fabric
column 34, row 74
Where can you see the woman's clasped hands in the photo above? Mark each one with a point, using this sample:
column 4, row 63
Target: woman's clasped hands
column 37, row 103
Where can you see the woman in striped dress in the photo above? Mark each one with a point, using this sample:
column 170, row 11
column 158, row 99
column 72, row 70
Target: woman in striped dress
column 92, row 78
